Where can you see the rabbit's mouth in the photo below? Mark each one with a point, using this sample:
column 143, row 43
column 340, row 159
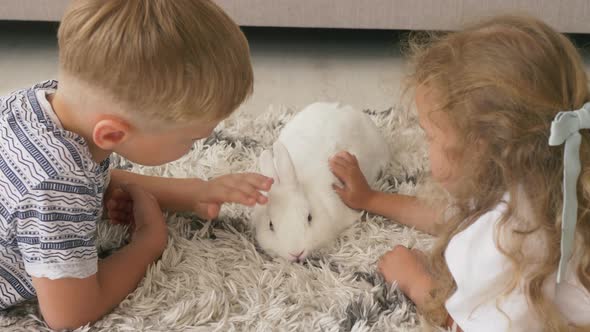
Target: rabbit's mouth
column 298, row 257
column 303, row 259
column 313, row 259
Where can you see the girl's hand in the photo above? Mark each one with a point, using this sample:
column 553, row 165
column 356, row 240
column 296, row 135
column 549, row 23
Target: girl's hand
column 407, row 267
column 241, row 188
column 356, row 192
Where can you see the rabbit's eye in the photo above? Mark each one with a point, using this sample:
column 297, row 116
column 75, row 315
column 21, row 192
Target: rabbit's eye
column 271, row 226
column 309, row 218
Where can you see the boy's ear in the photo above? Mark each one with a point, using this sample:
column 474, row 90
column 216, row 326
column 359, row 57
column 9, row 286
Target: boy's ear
column 109, row 133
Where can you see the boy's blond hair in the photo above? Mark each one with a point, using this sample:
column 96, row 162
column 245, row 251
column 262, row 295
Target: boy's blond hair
column 170, row 60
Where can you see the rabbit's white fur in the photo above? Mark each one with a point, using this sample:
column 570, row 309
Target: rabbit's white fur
column 303, row 181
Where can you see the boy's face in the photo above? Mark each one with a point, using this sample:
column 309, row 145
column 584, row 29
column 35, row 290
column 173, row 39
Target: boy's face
column 157, row 147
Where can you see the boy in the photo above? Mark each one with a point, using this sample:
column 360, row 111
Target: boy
column 144, row 79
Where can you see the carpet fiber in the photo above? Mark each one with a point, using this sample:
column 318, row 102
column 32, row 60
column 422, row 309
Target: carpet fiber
column 212, row 277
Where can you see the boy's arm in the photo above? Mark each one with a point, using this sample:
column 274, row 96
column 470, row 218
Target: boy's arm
column 357, row 194
column 71, row 302
column 187, row 194
column 172, row 194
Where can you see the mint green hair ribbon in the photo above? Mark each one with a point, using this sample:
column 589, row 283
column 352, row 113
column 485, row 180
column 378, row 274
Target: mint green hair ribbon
column 565, row 128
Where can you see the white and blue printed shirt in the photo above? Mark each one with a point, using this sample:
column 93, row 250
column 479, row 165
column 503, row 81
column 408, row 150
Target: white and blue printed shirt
column 51, row 195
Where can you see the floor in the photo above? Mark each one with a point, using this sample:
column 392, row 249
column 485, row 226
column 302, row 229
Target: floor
column 293, row 67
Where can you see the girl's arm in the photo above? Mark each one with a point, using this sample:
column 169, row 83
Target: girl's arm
column 407, row 210
column 357, row 194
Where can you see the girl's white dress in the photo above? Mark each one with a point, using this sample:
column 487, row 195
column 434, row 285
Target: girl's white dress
column 481, row 272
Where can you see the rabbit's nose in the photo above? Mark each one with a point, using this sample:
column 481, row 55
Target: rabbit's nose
column 297, row 257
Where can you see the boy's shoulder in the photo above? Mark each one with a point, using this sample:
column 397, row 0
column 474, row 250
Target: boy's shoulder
column 35, row 148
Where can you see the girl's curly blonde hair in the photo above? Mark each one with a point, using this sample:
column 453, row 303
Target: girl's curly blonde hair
column 502, row 82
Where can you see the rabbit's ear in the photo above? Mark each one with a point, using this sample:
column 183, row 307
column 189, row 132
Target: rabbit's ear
column 267, row 165
column 284, row 165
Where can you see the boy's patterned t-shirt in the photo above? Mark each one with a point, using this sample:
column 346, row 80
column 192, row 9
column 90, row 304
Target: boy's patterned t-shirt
column 51, row 195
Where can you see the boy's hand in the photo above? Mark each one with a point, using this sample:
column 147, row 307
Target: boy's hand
column 202, row 197
column 149, row 226
column 119, row 207
column 356, row 191
column 242, row 188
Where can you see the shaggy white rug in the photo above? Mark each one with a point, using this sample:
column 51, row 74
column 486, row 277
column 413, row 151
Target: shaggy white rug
column 212, row 277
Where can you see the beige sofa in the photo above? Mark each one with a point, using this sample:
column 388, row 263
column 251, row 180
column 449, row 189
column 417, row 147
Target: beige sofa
column 565, row 15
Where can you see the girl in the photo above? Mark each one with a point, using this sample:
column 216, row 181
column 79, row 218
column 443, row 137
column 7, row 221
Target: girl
column 486, row 99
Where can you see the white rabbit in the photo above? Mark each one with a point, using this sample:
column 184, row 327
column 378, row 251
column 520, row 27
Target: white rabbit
column 303, row 212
